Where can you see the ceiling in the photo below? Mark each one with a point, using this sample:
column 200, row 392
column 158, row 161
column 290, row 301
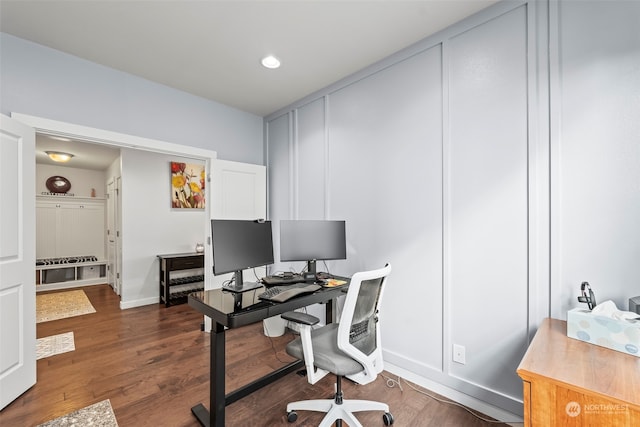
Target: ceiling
column 85, row 155
column 212, row 48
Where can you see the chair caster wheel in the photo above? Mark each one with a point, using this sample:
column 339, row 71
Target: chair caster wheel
column 387, row 418
column 292, row 416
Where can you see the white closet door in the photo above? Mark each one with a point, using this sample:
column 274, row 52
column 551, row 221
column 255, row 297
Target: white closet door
column 68, row 231
column 70, row 228
column 46, row 230
column 90, row 226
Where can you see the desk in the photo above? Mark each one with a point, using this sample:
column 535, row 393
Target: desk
column 567, row 382
column 232, row 310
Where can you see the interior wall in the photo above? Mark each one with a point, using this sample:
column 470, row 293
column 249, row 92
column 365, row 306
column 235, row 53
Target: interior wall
column 82, row 180
column 428, row 157
column 149, row 225
column 596, row 151
column 44, row 82
column 537, row 182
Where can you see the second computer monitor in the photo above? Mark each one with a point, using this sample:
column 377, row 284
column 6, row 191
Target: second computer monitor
column 312, row 240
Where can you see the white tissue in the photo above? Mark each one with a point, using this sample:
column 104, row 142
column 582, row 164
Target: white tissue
column 609, row 309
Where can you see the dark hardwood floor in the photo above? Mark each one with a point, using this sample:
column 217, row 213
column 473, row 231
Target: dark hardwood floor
column 152, row 363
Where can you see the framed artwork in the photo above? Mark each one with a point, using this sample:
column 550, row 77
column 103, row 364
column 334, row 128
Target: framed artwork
column 187, row 186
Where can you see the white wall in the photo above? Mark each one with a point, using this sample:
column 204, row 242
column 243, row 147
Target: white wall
column 441, row 160
column 82, row 180
column 426, row 156
column 150, row 227
column 44, row 82
column 596, row 148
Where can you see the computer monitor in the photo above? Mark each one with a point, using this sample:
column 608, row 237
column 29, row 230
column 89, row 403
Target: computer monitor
column 239, row 245
column 312, row 240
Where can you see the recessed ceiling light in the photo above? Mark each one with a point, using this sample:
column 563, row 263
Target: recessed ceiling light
column 270, row 62
column 59, row 156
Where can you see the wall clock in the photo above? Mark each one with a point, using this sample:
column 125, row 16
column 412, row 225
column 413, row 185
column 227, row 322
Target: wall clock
column 58, row 184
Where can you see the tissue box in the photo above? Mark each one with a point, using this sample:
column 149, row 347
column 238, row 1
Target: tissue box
column 619, row 335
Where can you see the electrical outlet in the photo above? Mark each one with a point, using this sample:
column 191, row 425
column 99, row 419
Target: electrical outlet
column 458, row 354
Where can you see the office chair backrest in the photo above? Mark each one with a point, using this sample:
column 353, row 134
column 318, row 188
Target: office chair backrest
column 358, row 331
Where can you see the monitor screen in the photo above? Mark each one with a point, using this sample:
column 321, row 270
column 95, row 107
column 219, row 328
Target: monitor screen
column 240, row 244
column 310, row 240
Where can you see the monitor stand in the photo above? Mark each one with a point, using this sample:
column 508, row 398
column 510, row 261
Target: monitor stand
column 239, row 286
column 310, row 274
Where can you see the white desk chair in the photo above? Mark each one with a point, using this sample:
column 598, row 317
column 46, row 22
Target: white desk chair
column 350, row 348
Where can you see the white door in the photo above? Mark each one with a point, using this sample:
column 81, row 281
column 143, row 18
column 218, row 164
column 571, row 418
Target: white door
column 238, row 191
column 17, row 260
column 111, row 234
column 118, row 232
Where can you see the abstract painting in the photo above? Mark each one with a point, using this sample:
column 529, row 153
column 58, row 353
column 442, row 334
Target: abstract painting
column 187, row 186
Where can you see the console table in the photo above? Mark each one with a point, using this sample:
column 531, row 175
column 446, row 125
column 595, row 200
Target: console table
column 231, row 310
column 567, row 382
column 180, row 274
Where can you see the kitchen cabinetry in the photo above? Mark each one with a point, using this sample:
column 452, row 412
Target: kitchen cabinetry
column 180, row 274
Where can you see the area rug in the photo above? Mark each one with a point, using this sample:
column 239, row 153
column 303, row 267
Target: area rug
column 60, row 305
column 55, row 344
column 99, row 415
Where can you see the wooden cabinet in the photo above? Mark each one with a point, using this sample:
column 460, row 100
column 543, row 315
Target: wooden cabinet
column 180, row 274
column 567, row 382
column 70, row 227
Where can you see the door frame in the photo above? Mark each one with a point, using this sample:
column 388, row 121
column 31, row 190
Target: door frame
column 120, row 140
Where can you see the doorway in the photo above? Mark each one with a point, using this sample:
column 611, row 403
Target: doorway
column 131, row 292
column 114, row 243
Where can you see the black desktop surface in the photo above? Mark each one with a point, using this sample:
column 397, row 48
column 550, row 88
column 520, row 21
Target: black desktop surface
column 233, row 309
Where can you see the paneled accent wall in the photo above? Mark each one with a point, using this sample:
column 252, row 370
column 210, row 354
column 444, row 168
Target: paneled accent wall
column 486, row 201
column 496, row 166
column 595, row 103
column 427, row 158
column 385, row 145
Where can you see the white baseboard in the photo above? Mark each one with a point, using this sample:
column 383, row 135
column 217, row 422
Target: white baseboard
column 456, row 396
column 139, row 302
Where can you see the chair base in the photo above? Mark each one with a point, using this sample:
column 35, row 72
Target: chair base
column 337, row 411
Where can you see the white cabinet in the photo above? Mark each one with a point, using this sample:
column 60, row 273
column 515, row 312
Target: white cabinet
column 70, row 227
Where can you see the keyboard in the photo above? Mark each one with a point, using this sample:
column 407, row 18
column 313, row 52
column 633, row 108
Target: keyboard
column 285, row 293
column 282, row 279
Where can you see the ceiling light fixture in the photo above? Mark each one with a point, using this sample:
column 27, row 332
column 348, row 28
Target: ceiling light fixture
column 59, row 156
column 270, row 62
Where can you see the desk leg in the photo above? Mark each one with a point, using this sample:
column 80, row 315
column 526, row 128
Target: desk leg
column 328, row 312
column 215, row 416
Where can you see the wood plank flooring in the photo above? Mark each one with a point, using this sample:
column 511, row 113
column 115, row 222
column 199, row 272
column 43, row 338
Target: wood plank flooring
column 152, row 363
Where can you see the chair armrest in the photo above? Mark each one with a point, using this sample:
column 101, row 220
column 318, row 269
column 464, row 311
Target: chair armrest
column 305, row 322
column 298, row 317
